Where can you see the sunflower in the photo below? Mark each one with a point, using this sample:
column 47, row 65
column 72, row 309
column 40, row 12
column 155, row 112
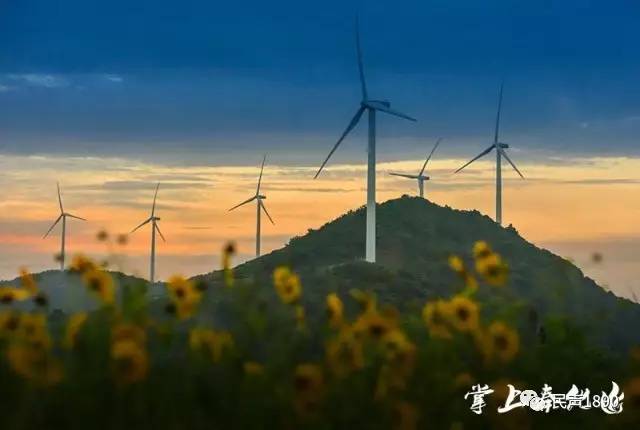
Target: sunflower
column 34, row 364
column 457, row 265
column 27, row 282
column 335, row 310
column 373, row 325
column 228, row 252
column 344, row 352
column 82, row 264
column 9, row 295
column 308, row 385
column 100, row 284
column 493, row 269
column 74, row 325
column 9, row 323
column 463, row 314
column 32, row 329
column 435, row 315
column 287, row 285
column 130, row 362
column 185, row 296
column 127, row 331
column 366, row 300
column 481, row 250
column 500, row 341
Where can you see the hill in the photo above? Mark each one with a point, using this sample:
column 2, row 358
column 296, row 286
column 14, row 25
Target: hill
column 414, row 240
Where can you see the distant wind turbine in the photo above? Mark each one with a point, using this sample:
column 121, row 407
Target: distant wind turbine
column 500, row 152
column 259, row 205
column 63, row 216
column 153, row 219
column 420, row 176
column 370, row 106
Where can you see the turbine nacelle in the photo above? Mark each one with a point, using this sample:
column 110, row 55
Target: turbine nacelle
column 376, row 104
column 261, row 196
column 503, row 145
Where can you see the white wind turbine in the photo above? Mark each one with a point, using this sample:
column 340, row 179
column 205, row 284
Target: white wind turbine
column 259, row 205
column 370, row 106
column 63, row 216
column 500, row 152
column 420, row 176
column 153, row 219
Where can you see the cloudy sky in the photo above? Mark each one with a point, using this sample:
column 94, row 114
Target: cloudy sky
column 110, row 98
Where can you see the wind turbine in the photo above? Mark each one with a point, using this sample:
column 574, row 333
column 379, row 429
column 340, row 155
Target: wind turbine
column 153, row 219
column 371, row 107
column 420, row 176
column 259, row 205
column 500, row 152
column 63, row 216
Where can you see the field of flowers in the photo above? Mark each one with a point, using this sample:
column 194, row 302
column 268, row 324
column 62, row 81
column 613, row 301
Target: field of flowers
column 221, row 356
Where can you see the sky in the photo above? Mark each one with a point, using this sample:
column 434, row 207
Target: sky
column 110, row 98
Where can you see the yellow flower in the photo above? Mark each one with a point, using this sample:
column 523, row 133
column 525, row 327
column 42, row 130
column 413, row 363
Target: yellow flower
column 214, row 343
column 9, row 295
column 34, row 364
column 463, row 314
column 100, row 284
column 366, row 300
column 435, row 315
column 9, row 323
column 185, row 296
column 335, row 310
column 253, row 368
column 493, row 270
column 74, row 324
column 481, row 250
column 405, row 416
column 501, row 342
column 32, row 329
column 308, row 383
column 82, row 264
column 128, row 332
column 130, row 362
column 456, row 264
column 344, row 352
column 394, row 343
column 27, row 282
column 373, row 325
column 287, row 285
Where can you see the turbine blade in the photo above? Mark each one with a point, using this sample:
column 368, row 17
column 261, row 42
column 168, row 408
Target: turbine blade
column 429, row 157
column 495, row 136
column 143, row 223
column 393, row 112
column 403, row 175
column 504, row 154
column 59, row 198
column 155, row 195
column 482, row 154
column 244, row 203
column 159, row 232
column 260, row 177
column 363, row 83
column 51, row 228
column 265, row 211
column 76, row 217
column 350, row 127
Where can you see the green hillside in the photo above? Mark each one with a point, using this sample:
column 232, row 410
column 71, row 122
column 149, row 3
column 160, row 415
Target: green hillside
column 414, row 240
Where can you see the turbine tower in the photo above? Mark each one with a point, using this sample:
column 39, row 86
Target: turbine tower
column 259, row 206
column 153, row 219
column 63, row 216
column 500, row 152
column 420, row 176
column 371, row 107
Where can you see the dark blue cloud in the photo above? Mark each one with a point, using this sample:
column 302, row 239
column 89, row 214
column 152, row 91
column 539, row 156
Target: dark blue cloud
column 160, row 77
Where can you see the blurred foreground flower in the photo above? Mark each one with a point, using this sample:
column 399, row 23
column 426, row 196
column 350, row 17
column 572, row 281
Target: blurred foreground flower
column 287, row 285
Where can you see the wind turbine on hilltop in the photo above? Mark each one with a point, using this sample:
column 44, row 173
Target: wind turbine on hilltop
column 420, row 176
column 63, row 216
column 259, row 206
column 371, row 107
column 153, row 219
column 500, row 152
